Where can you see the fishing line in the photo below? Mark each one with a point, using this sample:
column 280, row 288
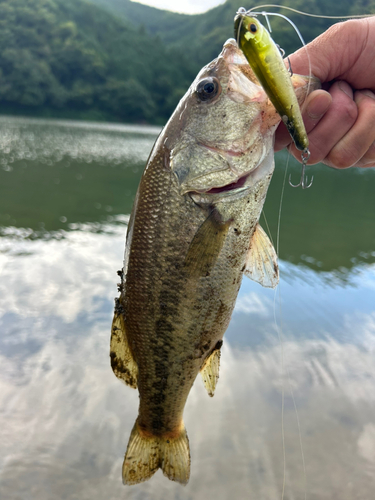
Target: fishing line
column 268, row 228
column 299, row 432
column 279, row 330
column 277, row 295
column 268, row 21
column 302, row 13
column 285, row 368
column 277, row 14
column 280, row 207
column 280, row 336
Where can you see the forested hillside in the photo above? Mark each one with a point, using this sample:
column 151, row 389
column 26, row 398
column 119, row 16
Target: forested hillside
column 71, row 58
column 119, row 60
column 201, row 36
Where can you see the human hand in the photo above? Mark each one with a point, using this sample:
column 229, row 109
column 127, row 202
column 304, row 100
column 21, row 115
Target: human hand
column 340, row 120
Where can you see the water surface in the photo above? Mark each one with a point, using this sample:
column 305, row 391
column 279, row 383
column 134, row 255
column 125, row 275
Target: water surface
column 66, row 191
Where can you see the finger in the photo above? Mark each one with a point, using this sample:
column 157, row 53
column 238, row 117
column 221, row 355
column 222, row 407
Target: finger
column 282, row 137
column 345, row 51
column 356, row 143
column 334, row 125
column 315, row 106
column 368, row 159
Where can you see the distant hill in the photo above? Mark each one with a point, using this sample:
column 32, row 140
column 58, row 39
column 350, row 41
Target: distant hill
column 140, row 14
column 72, row 58
column 120, row 60
column 201, row 36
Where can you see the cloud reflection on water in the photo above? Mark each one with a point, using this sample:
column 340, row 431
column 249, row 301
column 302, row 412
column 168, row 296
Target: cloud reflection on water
column 65, row 419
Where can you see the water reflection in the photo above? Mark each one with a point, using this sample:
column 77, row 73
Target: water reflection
column 55, row 173
column 330, row 226
column 65, row 419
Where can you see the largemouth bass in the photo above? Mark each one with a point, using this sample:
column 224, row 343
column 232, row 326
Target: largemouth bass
column 265, row 60
column 192, row 234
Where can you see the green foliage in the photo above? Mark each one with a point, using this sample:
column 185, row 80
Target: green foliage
column 201, row 37
column 120, row 60
column 70, row 56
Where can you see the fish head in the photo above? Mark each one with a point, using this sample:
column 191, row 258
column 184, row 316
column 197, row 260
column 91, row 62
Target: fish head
column 222, row 129
column 225, row 102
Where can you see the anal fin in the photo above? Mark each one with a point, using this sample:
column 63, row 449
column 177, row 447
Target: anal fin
column 122, row 361
column 210, row 370
column 261, row 260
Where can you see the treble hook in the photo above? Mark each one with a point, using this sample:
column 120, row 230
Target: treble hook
column 305, row 155
column 290, row 67
column 281, row 50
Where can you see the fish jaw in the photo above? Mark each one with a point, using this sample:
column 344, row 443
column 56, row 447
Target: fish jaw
column 237, row 190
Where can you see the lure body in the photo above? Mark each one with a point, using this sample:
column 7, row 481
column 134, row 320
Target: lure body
column 266, row 61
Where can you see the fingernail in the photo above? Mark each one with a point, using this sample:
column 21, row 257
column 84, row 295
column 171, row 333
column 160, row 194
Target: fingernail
column 368, row 93
column 346, row 88
column 318, row 106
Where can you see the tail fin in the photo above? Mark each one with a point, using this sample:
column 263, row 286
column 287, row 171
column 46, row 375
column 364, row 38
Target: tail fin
column 146, row 454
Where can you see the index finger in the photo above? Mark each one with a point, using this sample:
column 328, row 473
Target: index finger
column 343, row 52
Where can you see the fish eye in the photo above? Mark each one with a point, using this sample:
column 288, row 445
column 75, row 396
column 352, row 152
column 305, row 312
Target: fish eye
column 208, row 88
column 253, row 28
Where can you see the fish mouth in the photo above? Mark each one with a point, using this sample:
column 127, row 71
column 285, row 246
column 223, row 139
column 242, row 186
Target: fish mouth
column 231, row 153
column 231, row 191
column 233, row 186
column 239, row 188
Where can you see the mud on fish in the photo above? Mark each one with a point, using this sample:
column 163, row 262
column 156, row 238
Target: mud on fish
column 192, row 234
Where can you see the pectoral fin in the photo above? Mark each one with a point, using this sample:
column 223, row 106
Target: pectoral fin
column 261, row 260
column 210, row 371
column 206, row 245
column 122, row 361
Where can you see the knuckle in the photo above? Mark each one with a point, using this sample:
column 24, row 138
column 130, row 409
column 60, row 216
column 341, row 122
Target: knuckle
column 317, row 154
column 368, row 159
column 334, row 30
column 366, row 101
column 343, row 157
column 349, row 111
column 314, row 158
column 365, row 163
column 343, row 30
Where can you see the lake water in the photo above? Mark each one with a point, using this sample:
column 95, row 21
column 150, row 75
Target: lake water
column 66, row 191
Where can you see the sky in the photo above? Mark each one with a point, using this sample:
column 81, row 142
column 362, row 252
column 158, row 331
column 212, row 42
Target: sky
column 184, row 6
